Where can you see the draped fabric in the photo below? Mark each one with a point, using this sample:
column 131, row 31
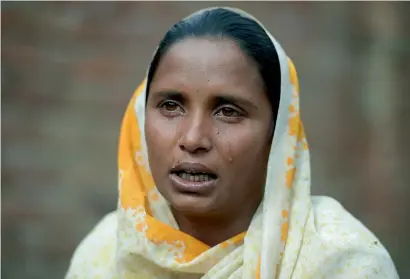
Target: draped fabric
column 292, row 234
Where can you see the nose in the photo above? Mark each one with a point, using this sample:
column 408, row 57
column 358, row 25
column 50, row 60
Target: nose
column 195, row 136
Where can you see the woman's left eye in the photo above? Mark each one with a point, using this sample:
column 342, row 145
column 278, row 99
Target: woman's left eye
column 228, row 112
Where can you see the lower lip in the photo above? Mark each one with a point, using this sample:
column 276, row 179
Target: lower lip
column 192, row 187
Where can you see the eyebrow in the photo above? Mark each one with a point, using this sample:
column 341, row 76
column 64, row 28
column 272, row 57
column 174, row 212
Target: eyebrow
column 169, row 94
column 220, row 98
column 224, row 98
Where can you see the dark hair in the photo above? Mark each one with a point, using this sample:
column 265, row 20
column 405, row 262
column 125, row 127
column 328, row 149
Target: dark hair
column 223, row 23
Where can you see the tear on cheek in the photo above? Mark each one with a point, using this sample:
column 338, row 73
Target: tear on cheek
column 223, row 144
column 230, row 159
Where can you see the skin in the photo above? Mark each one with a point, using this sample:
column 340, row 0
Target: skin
column 207, row 104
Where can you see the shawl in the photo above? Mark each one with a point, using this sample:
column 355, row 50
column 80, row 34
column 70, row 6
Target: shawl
column 292, row 234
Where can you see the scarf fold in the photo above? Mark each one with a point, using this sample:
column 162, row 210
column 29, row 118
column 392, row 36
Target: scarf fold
column 291, row 235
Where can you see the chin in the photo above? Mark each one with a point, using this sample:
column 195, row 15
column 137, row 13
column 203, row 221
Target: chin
column 193, row 205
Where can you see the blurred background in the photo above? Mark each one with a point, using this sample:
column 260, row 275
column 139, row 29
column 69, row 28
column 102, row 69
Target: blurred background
column 68, row 70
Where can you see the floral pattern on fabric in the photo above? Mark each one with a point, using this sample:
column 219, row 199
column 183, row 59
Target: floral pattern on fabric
column 292, row 235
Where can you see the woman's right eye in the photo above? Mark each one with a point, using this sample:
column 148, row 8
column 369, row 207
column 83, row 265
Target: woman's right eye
column 170, row 108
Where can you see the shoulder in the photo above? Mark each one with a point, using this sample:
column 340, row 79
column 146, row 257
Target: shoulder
column 333, row 223
column 95, row 255
column 351, row 250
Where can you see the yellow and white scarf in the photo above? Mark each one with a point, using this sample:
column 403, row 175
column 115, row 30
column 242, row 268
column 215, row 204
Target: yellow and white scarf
column 292, row 235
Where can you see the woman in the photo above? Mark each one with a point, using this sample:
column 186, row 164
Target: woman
column 214, row 172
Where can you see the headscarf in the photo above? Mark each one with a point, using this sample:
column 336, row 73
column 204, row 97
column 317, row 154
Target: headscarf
column 291, row 235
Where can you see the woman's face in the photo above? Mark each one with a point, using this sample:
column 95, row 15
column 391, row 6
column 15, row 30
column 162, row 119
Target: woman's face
column 208, row 122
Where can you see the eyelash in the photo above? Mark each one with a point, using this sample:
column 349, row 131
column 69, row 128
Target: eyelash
column 173, row 113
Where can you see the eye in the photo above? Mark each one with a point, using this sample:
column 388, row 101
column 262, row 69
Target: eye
column 170, row 108
column 229, row 112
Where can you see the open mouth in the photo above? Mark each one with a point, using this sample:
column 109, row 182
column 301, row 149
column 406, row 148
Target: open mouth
column 195, row 176
column 193, row 179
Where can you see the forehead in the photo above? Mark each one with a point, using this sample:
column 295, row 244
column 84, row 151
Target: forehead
column 207, row 64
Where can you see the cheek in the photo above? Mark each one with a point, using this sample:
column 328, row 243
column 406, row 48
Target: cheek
column 161, row 137
column 242, row 145
column 160, row 132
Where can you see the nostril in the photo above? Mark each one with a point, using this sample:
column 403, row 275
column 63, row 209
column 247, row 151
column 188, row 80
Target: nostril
column 197, row 150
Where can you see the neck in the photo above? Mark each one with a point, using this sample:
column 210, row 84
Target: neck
column 213, row 230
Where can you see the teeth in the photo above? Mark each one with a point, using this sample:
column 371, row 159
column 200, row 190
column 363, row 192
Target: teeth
column 195, row 177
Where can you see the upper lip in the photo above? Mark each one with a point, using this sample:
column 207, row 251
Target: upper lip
column 192, row 167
